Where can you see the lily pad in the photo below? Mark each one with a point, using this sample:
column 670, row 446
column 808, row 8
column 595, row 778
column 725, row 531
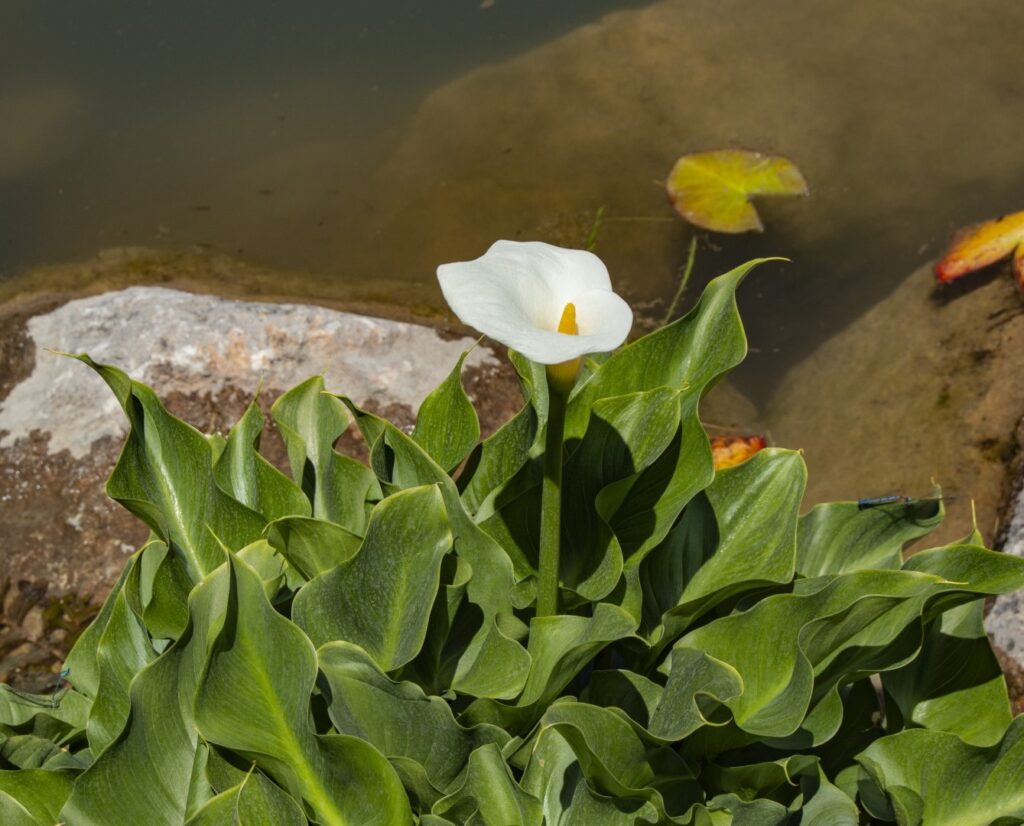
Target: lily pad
column 984, row 244
column 713, row 189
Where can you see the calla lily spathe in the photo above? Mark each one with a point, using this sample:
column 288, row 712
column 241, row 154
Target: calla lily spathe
column 517, row 292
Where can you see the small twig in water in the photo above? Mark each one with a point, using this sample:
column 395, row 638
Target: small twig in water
column 683, row 281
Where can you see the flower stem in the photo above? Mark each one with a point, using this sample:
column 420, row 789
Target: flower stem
column 551, row 498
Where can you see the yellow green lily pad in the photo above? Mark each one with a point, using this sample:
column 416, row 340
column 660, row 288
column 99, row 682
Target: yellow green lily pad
column 713, row 189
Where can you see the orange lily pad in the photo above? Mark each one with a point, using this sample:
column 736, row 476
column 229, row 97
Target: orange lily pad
column 984, row 244
column 731, row 450
column 713, row 189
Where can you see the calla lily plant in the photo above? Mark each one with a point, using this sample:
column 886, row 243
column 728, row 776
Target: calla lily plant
column 554, row 306
column 345, row 643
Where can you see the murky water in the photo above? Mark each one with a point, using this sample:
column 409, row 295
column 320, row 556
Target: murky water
column 362, row 141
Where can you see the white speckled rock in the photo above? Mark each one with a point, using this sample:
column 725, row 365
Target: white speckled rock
column 185, row 343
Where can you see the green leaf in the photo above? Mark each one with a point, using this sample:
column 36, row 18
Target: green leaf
column 556, row 778
column 28, row 751
column 254, row 699
column 755, row 506
column 166, row 611
column 496, row 461
column 312, row 546
column 381, row 599
column 625, row 435
column 400, row 720
column 934, row 778
column 492, row 664
column 123, row 651
column 559, row 647
column 713, row 189
column 337, row 486
column 691, row 355
column 616, row 760
column 165, row 477
column 253, row 802
column 241, row 471
column 955, row 684
column 839, row 537
column 147, row 774
column 82, row 659
column 489, row 795
column 32, row 797
column 825, row 804
column 447, row 427
column 792, row 649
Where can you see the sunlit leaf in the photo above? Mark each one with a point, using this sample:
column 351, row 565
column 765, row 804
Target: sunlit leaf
column 381, row 598
column 933, row 778
column 713, row 189
column 32, row 797
column 254, row 698
column 447, row 426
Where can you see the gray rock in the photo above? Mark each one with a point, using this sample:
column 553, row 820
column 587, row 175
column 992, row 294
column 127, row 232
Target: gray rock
column 185, row 343
column 61, row 428
column 1005, row 619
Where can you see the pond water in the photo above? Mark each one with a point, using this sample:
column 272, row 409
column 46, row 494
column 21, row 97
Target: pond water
column 364, row 142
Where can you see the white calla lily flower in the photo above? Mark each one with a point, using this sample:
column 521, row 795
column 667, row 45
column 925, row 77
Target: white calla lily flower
column 524, row 294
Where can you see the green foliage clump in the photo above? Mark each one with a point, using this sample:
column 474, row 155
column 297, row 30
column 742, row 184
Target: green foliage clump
column 358, row 645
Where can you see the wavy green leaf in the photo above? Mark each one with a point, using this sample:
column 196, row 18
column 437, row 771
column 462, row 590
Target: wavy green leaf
column 165, row 477
column 312, row 546
column 492, row 663
column 338, row 487
column 381, row 599
column 617, row 761
column 447, row 427
column 955, row 684
column 254, row 699
column 496, row 461
column 32, row 797
column 794, row 649
column 742, row 537
column 933, row 778
column 241, row 471
column 147, row 774
column 839, row 537
column 123, row 651
column 402, row 722
column 253, row 802
column 555, row 777
column 489, row 795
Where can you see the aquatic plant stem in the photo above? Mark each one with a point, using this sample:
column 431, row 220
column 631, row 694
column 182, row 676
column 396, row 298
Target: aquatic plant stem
column 683, row 281
column 551, row 495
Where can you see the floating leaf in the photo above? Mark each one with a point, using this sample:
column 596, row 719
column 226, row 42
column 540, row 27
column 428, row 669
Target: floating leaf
column 713, row 189
column 728, row 451
column 983, row 244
